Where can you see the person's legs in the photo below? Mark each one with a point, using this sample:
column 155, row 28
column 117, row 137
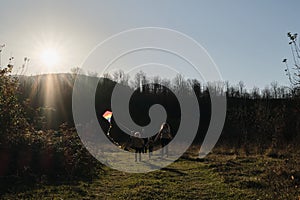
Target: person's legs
column 145, row 146
column 150, row 152
column 167, row 149
column 135, row 155
column 164, row 143
column 140, row 154
column 162, row 147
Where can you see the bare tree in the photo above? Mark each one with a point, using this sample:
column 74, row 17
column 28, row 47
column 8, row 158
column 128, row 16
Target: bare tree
column 107, row 76
column 120, row 77
column 140, row 81
column 255, row 93
column 266, row 93
column 227, row 86
column 274, row 88
column 241, row 87
column 293, row 73
column 156, row 84
column 1, row 49
column 75, row 71
column 194, row 85
column 180, row 84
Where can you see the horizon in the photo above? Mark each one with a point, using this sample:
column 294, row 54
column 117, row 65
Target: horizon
column 171, row 81
column 247, row 40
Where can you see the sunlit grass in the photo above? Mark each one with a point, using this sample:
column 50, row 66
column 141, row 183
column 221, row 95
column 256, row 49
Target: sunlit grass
column 218, row 176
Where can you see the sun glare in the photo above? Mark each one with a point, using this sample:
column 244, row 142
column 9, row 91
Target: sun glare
column 50, row 57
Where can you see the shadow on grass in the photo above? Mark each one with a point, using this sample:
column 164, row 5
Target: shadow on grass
column 194, row 159
column 167, row 169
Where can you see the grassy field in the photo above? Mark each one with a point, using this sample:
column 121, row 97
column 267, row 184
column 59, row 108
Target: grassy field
column 219, row 176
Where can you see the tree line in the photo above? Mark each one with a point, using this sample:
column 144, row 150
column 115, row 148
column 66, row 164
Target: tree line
column 251, row 113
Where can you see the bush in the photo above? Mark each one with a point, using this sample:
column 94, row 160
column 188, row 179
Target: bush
column 28, row 155
column 12, row 116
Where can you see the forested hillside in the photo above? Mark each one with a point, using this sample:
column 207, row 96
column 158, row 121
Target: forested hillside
column 256, row 119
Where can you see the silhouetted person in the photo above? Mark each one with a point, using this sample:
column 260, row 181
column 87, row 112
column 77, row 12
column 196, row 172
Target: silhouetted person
column 138, row 145
column 149, row 146
column 145, row 141
column 145, row 145
column 165, row 137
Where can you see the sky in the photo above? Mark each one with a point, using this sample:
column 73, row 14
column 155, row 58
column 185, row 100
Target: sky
column 246, row 39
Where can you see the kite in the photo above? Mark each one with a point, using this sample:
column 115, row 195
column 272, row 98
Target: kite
column 107, row 115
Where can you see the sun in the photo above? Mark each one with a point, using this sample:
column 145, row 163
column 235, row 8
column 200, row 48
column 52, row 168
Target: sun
column 50, row 57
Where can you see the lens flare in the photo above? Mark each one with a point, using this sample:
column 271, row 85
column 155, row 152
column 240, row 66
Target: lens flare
column 50, row 57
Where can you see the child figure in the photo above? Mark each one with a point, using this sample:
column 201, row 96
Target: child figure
column 138, row 144
column 150, row 145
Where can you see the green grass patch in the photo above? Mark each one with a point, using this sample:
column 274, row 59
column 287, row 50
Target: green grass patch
column 216, row 177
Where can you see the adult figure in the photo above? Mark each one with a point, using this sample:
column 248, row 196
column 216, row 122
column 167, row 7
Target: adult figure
column 165, row 136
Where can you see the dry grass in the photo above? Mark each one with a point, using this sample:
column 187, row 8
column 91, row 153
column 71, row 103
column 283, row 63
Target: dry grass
column 221, row 175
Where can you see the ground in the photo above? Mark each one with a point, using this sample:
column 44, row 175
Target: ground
column 218, row 176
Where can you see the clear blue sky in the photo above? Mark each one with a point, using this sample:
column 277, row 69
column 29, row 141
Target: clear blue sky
column 246, row 39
